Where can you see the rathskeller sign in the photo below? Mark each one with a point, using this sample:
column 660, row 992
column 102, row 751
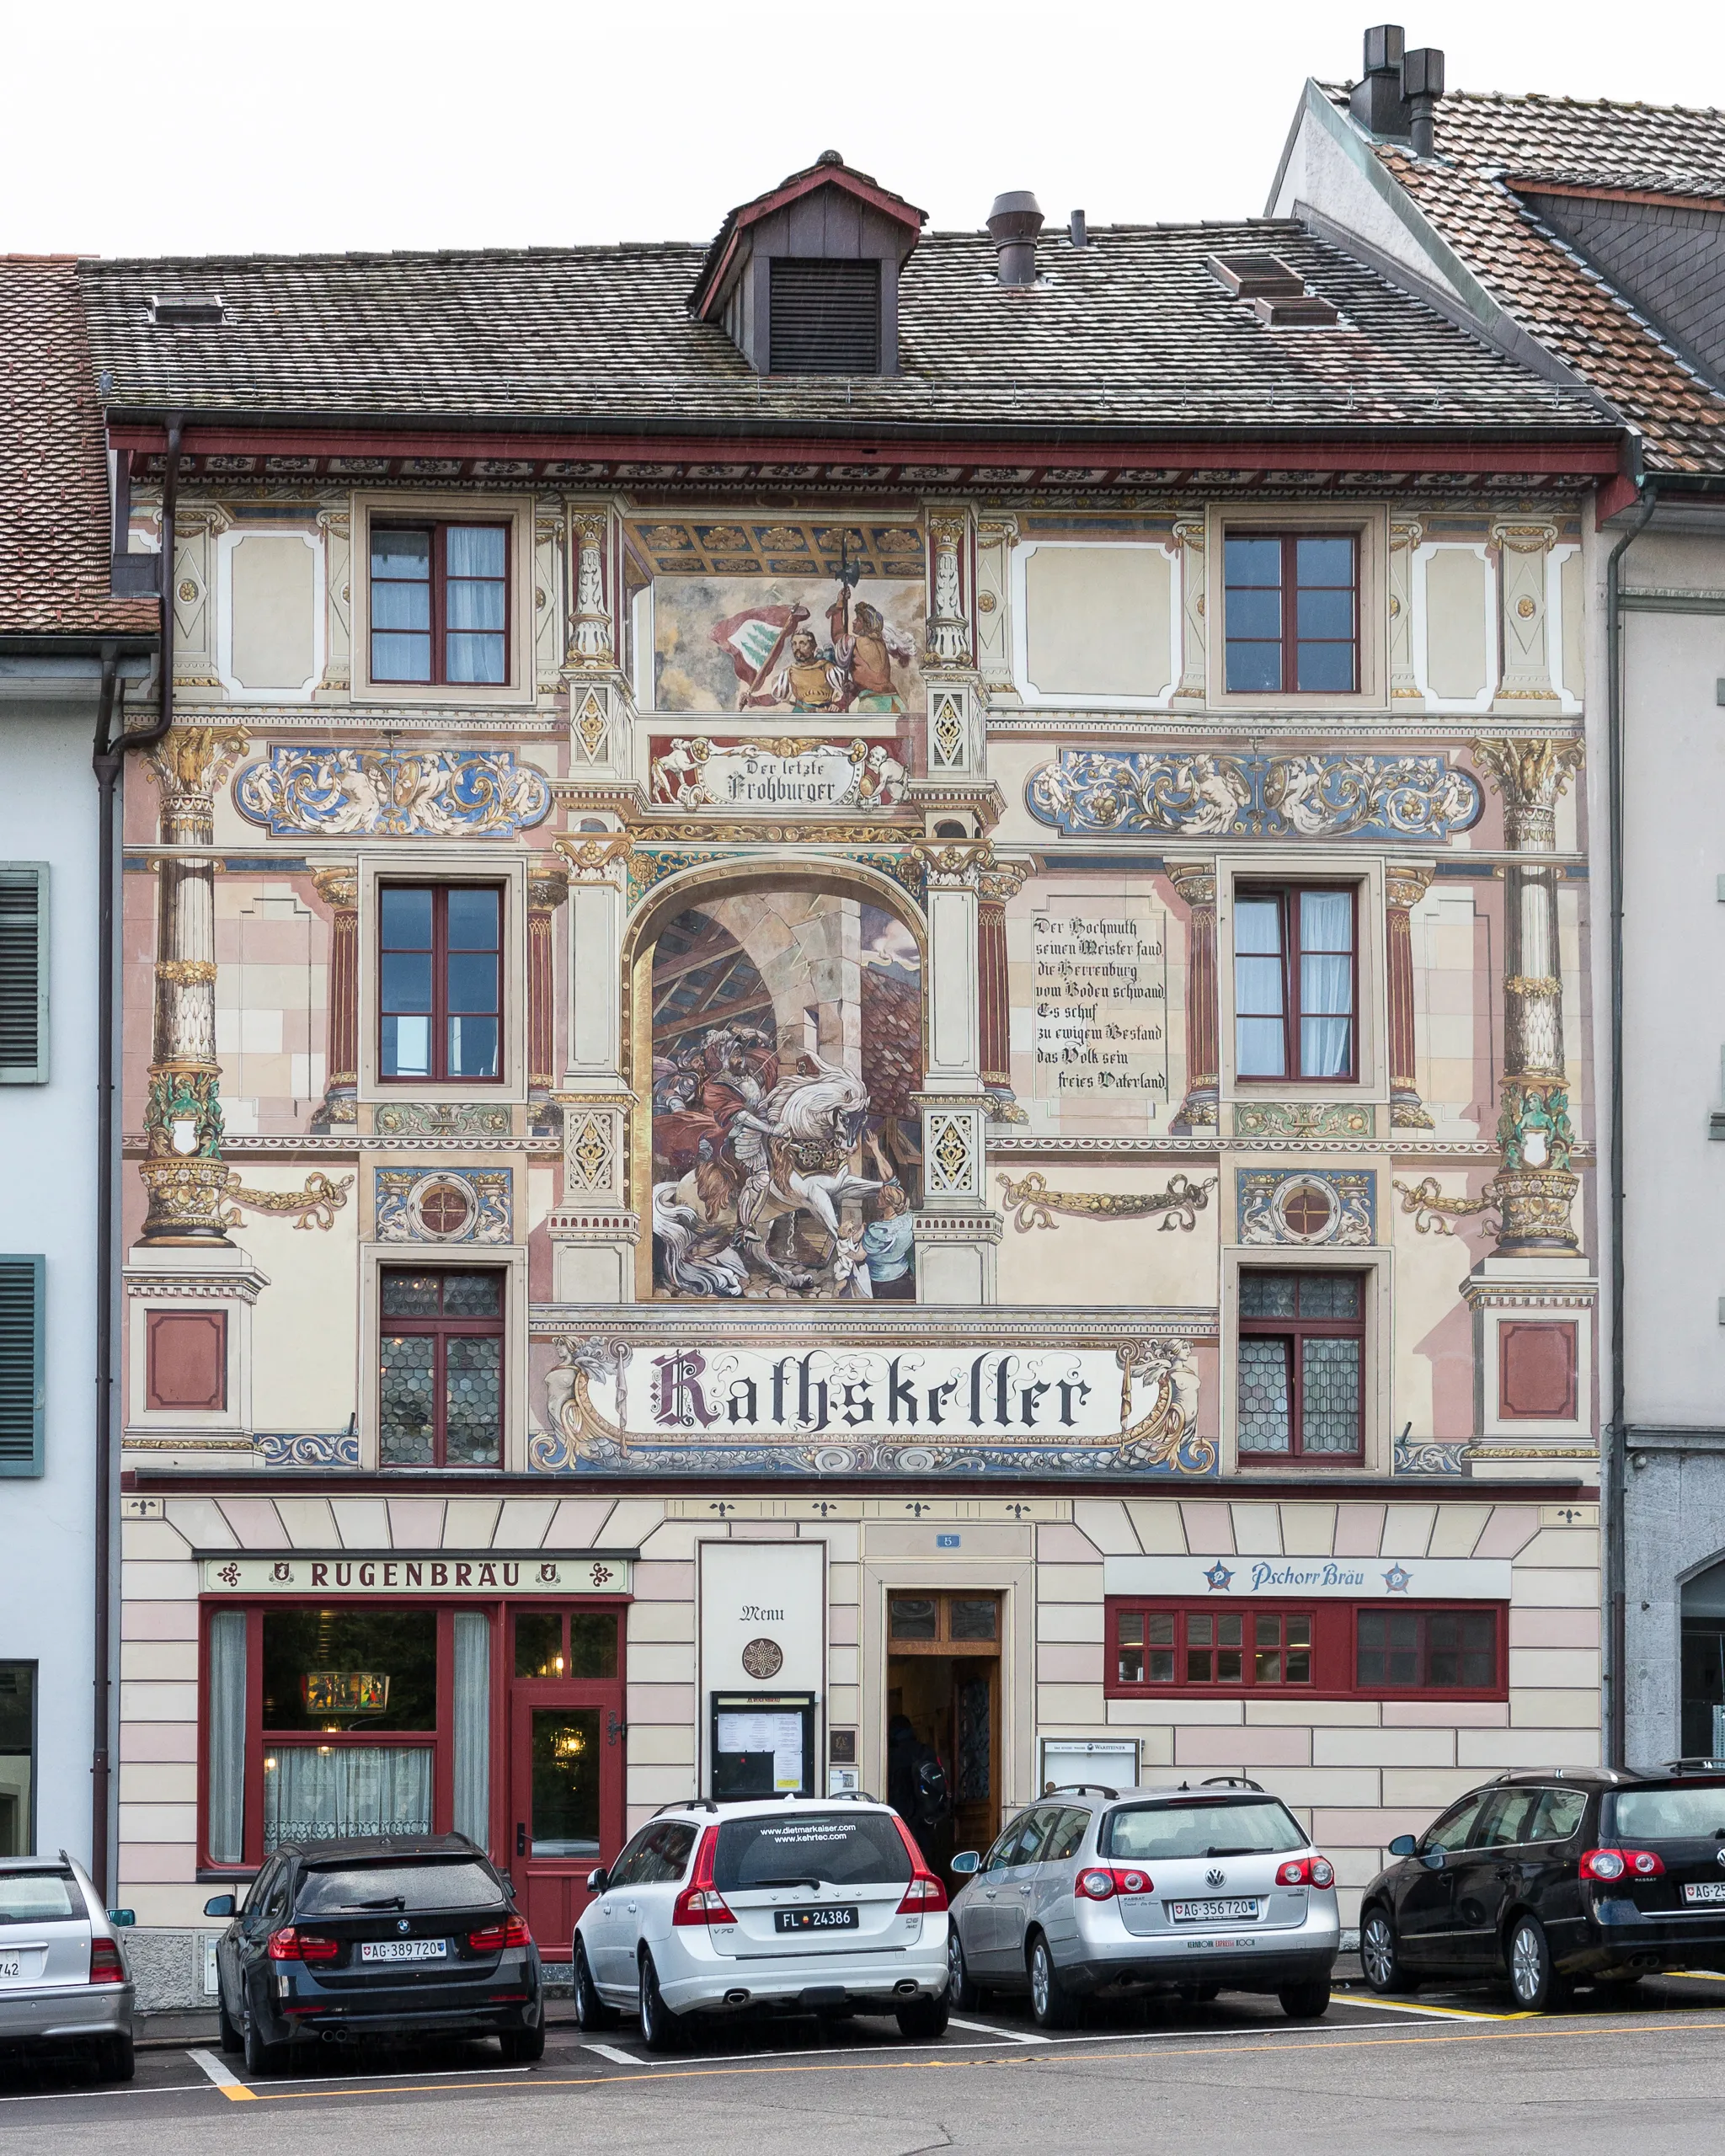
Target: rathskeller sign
column 719, row 1406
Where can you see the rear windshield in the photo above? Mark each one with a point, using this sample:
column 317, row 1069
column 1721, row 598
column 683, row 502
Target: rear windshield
column 1258, row 1826
column 1666, row 1815
column 353, row 1889
column 38, row 1897
column 837, row 1848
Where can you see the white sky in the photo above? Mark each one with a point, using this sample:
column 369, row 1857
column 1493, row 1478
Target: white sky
column 229, row 126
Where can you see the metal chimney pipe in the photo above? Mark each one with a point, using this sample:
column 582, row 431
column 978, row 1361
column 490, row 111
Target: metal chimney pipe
column 1423, row 85
column 1013, row 223
column 1076, row 231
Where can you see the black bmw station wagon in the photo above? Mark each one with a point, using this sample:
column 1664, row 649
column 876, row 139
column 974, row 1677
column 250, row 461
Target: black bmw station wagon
column 1555, row 1878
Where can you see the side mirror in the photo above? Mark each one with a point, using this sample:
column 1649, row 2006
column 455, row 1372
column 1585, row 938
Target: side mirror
column 218, row 1905
column 1402, row 1845
column 122, row 1916
column 1435, row 1858
column 597, row 1881
column 965, row 1862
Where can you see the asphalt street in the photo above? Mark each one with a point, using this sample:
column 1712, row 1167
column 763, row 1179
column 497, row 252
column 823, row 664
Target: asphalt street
column 1451, row 2071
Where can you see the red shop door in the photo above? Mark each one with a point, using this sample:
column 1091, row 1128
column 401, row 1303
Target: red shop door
column 565, row 1779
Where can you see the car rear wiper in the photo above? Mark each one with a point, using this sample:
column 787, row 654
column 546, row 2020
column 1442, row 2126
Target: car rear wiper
column 805, row 1881
column 388, row 1901
column 1249, row 1850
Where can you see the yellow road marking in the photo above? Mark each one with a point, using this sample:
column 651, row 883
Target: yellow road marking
column 1073, row 2054
column 230, row 2084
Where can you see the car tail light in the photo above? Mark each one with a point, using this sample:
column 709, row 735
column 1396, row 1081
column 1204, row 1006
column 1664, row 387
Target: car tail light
column 925, row 1895
column 288, row 1945
column 106, row 1967
column 495, row 1937
column 1622, row 1863
column 1100, row 1882
column 700, row 1901
column 1306, row 1871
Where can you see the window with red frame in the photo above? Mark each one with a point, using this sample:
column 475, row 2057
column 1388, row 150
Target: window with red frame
column 439, row 981
column 1301, row 1360
column 441, row 1367
column 439, row 604
column 1295, row 982
column 1291, row 609
column 1332, row 1649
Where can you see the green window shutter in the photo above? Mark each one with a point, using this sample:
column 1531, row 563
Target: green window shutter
column 23, row 973
column 21, row 1286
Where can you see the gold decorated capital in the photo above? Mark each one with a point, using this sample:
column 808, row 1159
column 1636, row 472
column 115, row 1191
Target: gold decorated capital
column 190, row 762
column 1404, row 886
column 338, row 888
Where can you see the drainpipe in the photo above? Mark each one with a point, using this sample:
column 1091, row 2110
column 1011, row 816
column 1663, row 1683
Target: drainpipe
column 1615, row 1477
column 108, row 755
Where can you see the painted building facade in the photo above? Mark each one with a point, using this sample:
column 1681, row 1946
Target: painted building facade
column 1588, row 238
column 821, row 1032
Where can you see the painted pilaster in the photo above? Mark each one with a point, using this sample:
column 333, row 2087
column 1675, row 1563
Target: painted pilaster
column 1189, row 533
column 1404, row 542
column 547, row 886
column 184, row 1170
column 337, row 528
column 593, row 1232
column 1196, row 882
column 995, row 537
column 1403, row 889
column 601, row 711
column 1523, row 551
column 339, row 890
column 1536, row 1186
column 949, row 615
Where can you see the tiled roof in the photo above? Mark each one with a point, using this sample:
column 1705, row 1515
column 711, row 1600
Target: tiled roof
column 1490, row 147
column 54, row 512
column 1130, row 332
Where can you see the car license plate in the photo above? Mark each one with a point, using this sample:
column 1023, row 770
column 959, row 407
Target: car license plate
column 1230, row 1912
column 22, row 1964
column 827, row 1919
column 404, row 1950
column 1705, row 1890
column 10, row 1966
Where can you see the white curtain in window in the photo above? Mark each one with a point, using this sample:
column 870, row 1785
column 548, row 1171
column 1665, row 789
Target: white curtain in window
column 473, row 1726
column 1259, row 1043
column 1326, row 982
column 312, row 1794
column 227, row 1710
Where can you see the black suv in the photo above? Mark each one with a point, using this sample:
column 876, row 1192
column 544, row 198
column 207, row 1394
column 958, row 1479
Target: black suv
column 379, row 1936
column 1588, row 1875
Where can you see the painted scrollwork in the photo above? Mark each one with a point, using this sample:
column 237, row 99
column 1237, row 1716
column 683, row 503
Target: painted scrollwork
column 1433, row 1211
column 578, row 1431
column 1343, row 795
column 1165, row 1435
column 1179, row 1204
column 317, row 1205
column 321, row 791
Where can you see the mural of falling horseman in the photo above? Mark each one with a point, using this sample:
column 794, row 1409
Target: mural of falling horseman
column 786, row 1045
column 782, row 644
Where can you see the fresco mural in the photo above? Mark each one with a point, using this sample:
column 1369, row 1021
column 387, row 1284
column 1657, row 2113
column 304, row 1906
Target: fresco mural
column 851, row 643
column 786, row 1046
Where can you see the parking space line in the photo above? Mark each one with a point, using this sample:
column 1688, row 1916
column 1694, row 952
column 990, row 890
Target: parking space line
column 611, row 2052
column 1437, row 2013
column 1006, row 2036
column 230, row 2084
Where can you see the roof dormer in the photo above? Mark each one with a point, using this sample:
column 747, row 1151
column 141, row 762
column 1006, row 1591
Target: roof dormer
column 804, row 278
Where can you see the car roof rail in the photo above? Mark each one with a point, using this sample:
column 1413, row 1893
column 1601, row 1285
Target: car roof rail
column 1698, row 1762
column 1081, row 1789
column 1230, row 1781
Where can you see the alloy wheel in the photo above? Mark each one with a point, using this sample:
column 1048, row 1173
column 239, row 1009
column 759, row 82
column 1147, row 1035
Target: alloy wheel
column 1527, row 1965
column 1377, row 1952
column 1040, row 1974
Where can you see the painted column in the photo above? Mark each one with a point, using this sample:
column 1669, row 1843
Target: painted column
column 994, row 994
column 1196, row 882
column 1404, row 888
column 547, row 886
column 184, row 1172
column 949, row 625
column 1535, row 1185
column 339, row 890
column 592, row 639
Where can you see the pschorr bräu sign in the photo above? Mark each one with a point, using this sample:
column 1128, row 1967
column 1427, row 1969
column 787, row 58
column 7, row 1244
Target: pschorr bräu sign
column 1354, row 1579
column 714, row 1407
column 520, row 1573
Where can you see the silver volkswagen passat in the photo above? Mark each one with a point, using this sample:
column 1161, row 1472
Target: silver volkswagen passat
column 1193, row 1890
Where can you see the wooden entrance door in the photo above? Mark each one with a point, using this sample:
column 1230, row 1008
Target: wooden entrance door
column 566, row 1749
column 943, row 1674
